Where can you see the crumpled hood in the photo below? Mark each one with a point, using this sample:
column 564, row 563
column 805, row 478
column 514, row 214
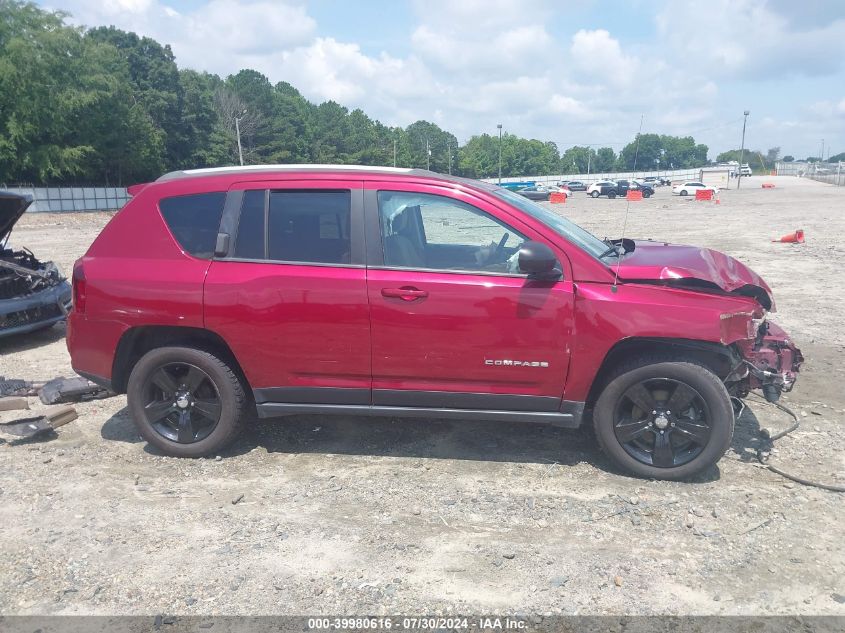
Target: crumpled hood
column 691, row 267
column 12, row 207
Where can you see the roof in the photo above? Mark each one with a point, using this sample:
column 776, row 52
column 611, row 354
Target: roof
column 241, row 169
column 300, row 168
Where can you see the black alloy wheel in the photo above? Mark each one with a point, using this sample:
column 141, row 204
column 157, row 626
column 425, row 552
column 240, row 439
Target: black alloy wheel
column 664, row 417
column 662, row 422
column 181, row 402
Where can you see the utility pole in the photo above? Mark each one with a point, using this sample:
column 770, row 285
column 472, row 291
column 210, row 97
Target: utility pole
column 589, row 159
column 238, row 132
column 742, row 148
column 394, row 152
column 499, row 125
column 427, row 154
column 449, row 152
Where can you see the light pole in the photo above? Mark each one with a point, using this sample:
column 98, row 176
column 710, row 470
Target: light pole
column 238, row 132
column 427, row 154
column 449, row 152
column 394, row 152
column 500, row 152
column 742, row 148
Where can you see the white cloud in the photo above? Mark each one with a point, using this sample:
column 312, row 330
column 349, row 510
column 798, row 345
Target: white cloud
column 752, row 38
column 470, row 64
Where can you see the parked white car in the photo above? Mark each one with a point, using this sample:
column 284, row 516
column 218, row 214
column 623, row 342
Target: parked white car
column 556, row 189
column 595, row 190
column 689, row 188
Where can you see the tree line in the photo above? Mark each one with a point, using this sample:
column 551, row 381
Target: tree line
column 101, row 105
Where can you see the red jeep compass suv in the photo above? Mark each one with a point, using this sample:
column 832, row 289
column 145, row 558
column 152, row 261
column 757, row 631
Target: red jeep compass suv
column 218, row 294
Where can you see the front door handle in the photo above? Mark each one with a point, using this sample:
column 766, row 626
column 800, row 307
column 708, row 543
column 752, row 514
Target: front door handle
column 406, row 293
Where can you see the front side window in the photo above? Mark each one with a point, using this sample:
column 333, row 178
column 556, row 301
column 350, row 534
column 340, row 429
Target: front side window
column 563, row 227
column 194, row 221
column 425, row 231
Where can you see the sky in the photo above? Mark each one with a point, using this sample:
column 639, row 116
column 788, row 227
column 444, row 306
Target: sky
column 576, row 73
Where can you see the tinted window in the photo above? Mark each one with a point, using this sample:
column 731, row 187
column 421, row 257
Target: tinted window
column 194, row 221
column 425, row 231
column 250, row 240
column 309, row 226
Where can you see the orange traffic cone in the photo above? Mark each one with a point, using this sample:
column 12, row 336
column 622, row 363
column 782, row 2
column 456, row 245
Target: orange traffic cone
column 797, row 237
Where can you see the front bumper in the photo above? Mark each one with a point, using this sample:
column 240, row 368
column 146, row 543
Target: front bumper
column 42, row 309
column 772, row 361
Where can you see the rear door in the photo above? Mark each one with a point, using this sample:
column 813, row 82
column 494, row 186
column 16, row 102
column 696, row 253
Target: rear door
column 289, row 294
column 454, row 324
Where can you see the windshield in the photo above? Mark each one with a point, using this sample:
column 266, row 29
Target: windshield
column 571, row 231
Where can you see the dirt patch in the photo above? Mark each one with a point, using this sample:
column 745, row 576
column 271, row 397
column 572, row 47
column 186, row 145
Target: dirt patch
column 354, row 515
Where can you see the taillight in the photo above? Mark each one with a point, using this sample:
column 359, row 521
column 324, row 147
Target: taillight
column 79, row 288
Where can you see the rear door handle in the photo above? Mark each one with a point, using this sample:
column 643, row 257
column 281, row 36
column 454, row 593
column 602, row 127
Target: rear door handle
column 406, row 293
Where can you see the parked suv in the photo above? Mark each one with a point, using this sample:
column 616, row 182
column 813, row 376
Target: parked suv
column 611, row 189
column 218, row 294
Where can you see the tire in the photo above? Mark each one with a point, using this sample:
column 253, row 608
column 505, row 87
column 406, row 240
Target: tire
column 611, row 194
column 646, row 194
column 682, row 192
column 695, row 437
column 218, row 390
column 594, row 194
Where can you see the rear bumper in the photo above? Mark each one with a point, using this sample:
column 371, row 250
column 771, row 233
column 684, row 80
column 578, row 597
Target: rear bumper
column 33, row 312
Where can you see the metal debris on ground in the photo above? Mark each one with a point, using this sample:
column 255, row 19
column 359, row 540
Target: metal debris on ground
column 38, row 425
column 76, row 389
column 13, row 404
column 17, row 387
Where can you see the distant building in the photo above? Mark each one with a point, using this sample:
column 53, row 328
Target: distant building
column 717, row 175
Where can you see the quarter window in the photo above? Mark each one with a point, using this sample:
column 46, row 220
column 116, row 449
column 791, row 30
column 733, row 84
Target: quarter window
column 194, row 221
column 424, row 231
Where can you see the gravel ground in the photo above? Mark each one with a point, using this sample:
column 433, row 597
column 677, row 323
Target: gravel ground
column 349, row 515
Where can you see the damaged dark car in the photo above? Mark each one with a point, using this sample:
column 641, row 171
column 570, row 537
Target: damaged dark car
column 34, row 295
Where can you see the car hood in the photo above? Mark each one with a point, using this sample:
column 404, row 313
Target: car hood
column 693, row 268
column 12, row 207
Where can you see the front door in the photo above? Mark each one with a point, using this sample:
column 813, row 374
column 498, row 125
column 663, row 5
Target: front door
column 289, row 297
column 454, row 322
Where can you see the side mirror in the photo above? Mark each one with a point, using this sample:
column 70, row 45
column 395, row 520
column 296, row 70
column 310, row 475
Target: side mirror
column 538, row 261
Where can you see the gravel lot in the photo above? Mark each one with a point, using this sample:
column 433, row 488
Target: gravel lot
column 349, row 515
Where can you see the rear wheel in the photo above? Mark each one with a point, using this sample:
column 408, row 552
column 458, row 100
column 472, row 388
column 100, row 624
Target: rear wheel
column 185, row 401
column 611, row 194
column 664, row 419
column 594, row 194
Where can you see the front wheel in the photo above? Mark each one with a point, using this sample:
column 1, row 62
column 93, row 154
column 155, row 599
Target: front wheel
column 646, row 194
column 682, row 192
column 185, row 401
column 595, row 194
column 664, row 419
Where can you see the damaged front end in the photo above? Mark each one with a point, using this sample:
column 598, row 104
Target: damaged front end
column 766, row 360
column 33, row 294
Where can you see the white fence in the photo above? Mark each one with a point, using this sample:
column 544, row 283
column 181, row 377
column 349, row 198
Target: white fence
column 672, row 174
column 831, row 173
column 59, row 199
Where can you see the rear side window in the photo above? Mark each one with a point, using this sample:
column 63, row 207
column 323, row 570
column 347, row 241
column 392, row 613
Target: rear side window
column 309, row 227
column 250, row 241
column 194, row 221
